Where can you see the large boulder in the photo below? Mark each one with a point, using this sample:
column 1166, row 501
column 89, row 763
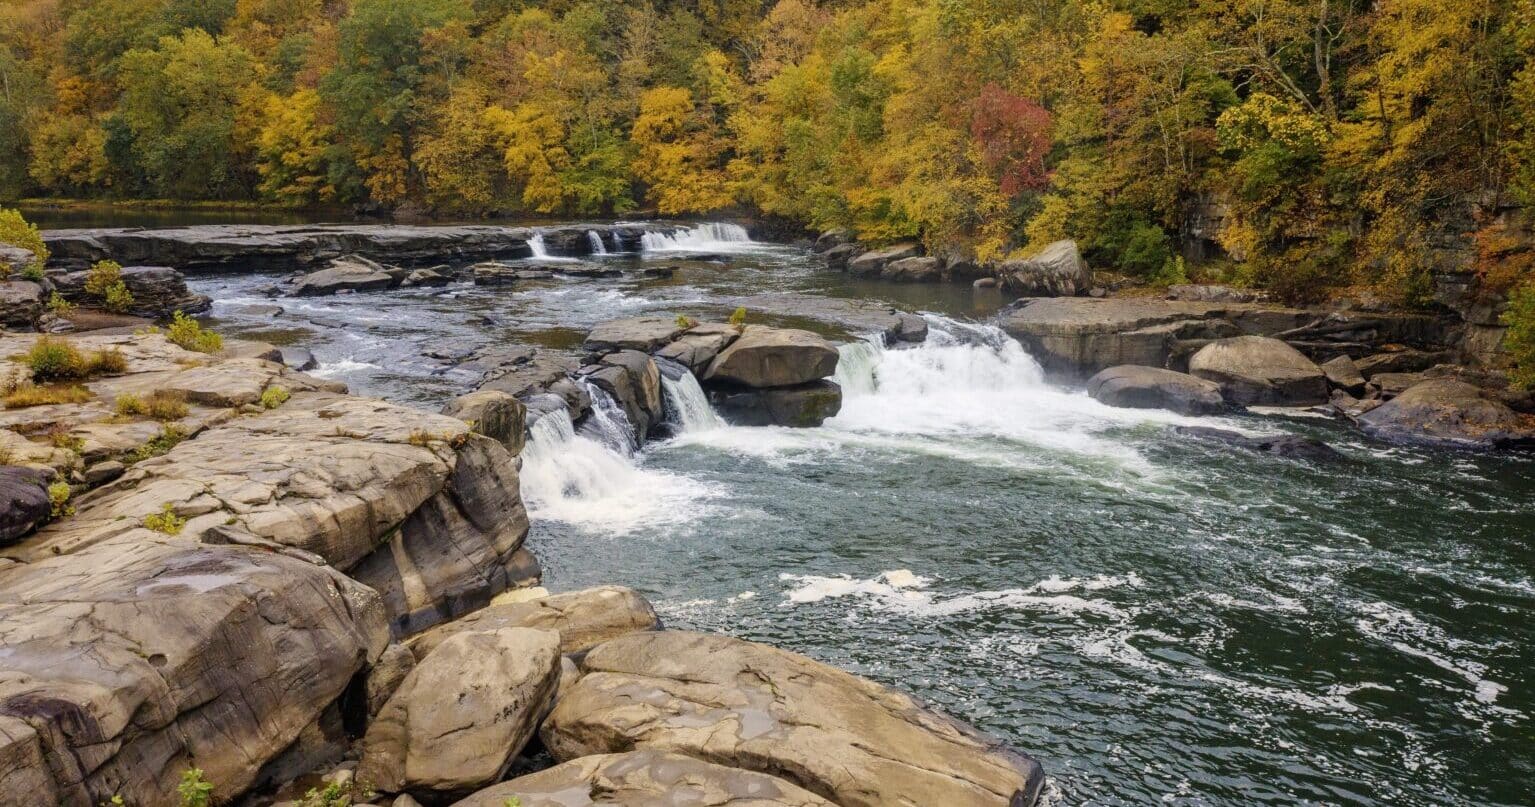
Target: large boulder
column 747, row 705
column 696, row 348
column 774, row 357
column 495, row 414
column 1134, row 387
column 644, row 334
column 1056, row 271
column 838, row 257
column 24, row 502
column 352, row 273
column 132, row 661
column 581, row 618
column 800, row 406
column 21, row 304
column 645, row 778
column 463, row 713
column 834, row 238
column 1343, row 373
column 158, row 291
column 1258, row 370
column 1450, row 413
column 871, row 263
column 915, row 270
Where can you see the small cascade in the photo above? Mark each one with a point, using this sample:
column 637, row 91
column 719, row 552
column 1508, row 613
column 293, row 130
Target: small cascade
column 687, row 406
column 856, row 365
column 595, row 239
column 708, row 237
column 536, row 243
column 608, row 422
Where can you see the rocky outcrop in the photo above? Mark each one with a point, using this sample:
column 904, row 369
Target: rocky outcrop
column 1133, row 387
column 634, row 381
column 773, row 357
column 871, row 263
column 21, row 304
column 1256, row 370
column 1401, row 361
column 644, row 334
column 1212, row 293
column 838, row 257
column 135, row 659
column 746, row 705
column 1449, row 413
column 158, row 291
column 463, row 713
column 352, row 273
column 1056, row 271
column 16, row 258
column 24, row 502
column 697, row 347
column 1342, row 373
column 800, row 406
column 645, row 778
column 582, row 619
column 915, row 270
column 495, row 414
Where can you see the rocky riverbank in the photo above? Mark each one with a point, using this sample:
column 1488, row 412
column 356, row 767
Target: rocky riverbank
column 268, row 579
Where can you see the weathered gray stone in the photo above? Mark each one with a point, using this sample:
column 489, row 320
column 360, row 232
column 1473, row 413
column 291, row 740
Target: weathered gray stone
column 24, row 502
column 915, row 270
column 644, row 334
column 1342, row 373
column 158, row 291
column 1135, row 387
column 755, row 707
column 1450, row 413
column 1056, row 271
column 644, row 779
column 140, row 657
column 1293, row 446
column 21, row 304
column 581, row 618
column 463, row 713
column 871, row 263
column 352, row 273
column 774, row 357
column 838, row 257
column 495, row 414
column 696, row 348
column 1257, row 370
column 1213, row 293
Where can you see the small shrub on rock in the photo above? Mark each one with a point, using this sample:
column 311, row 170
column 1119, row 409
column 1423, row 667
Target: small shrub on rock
column 128, row 405
column 53, row 359
column 194, row 790
column 58, row 494
column 738, row 319
column 106, row 362
column 166, row 440
column 102, row 276
column 166, row 521
column 60, row 306
column 166, row 405
column 188, row 334
column 16, row 231
column 61, row 437
column 686, row 322
column 273, row 397
column 118, row 299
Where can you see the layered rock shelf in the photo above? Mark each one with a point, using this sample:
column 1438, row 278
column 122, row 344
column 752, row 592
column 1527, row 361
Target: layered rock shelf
column 279, row 580
column 210, row 248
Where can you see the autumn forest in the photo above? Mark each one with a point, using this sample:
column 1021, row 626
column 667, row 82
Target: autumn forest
column 1299, row 145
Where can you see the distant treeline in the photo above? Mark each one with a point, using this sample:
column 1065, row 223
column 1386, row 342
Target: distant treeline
column 1306, row 144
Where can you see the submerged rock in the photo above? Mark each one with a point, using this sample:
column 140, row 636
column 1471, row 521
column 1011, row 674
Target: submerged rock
column 750, row 706
column 1449, row 413
column 1057, row 271
column 1134, row 387
column 463, row 713
column 1284, row 445
column 645, row 778
column 774, row 357
column 1259, row 371
column 800, row 406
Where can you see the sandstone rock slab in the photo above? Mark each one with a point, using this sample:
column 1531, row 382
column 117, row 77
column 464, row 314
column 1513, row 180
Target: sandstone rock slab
column 1449, row 413
column 1134, row 387
column 1258, row 370
column 1056, row 271
column 774, row 357
column 582, row 619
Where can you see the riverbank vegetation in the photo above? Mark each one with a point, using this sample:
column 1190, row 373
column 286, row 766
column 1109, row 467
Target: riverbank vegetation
column 1301, row 145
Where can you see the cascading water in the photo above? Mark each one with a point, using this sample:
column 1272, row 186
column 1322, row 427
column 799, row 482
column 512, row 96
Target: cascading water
column 608, row 422
column 687, row 406
column 595, row 239
column 575, row 479
column 707, row 237
column 541, row 250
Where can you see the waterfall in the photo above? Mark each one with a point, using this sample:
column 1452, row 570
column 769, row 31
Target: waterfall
column 856, row 365
column 609, row 422
column 573, row 479
column 595, row 239
column 707, row 237
column 536, row 243
column 687, row 406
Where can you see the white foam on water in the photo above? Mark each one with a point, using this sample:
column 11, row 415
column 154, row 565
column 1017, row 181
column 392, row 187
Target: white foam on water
column 349, row 364
column 900, row 590
column 707, row 237
column 1409, row 635
column 573, row 479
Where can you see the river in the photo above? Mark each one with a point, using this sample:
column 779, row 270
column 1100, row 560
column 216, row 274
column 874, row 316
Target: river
column 1155, row 619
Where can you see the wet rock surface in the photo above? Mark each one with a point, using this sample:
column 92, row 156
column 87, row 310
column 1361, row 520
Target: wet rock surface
column 1154, row 388
column 1450, row 413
